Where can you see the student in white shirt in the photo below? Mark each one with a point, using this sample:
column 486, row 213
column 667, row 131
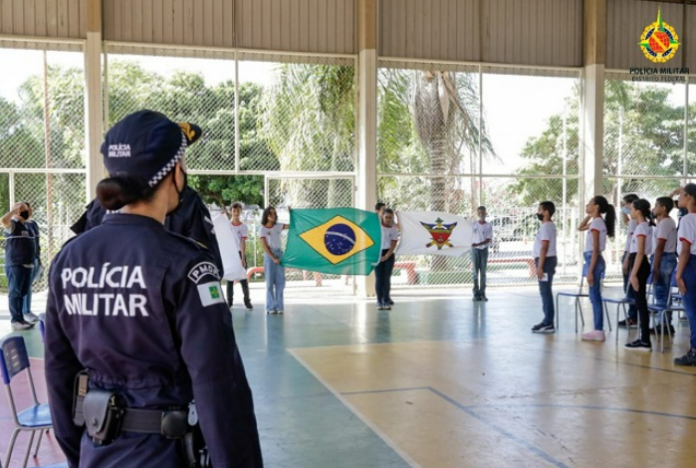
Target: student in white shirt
column 242, row 232
column 639, row 270
column 383, row 270
column 686, row 269
column 545, row 260
column 269, row 233
column 626, row 203
column 482, row 235
column 664, row 259
column 598, row 229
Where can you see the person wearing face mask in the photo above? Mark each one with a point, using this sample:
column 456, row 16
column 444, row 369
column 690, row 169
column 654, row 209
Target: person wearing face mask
column 545, row 260
column 626, row 204
column 20, row 252
column 140, row 352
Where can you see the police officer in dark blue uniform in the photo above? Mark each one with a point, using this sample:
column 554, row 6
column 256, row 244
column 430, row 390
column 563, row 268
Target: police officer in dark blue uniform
column 20, row 252
column 192, row 220
column 141, row 309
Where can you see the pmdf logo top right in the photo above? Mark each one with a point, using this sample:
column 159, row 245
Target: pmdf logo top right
column 659, row 41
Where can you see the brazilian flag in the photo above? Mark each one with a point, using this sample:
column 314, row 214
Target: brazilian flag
column 340, row 241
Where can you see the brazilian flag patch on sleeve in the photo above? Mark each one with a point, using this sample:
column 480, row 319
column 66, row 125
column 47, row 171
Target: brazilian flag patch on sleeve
column 210, row 293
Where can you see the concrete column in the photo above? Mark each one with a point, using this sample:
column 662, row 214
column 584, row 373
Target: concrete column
column 367, row 118
column 592, row 134
column 93, row 97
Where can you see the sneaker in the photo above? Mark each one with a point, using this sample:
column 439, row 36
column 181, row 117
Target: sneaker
column 248, row 306
column 538, row 327
column 689, row 359
column 270, row 312
column 631, row 323
column 476, row 298
column 279, row 311
column 390, row 302
column 545, row 329
column 594, row 335
column 19, row 326
column 31, row 318
column 380, row 307
column 387, row 307
column 639, row 345
column 483, row 298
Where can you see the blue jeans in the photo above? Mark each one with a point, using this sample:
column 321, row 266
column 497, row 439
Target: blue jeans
column 595, row 290
column 479, row 260
column 275, row 281
column 689, row 277
column 545, row 289
column 630, row 293
column 18, row 282
column 383, row 273
column 26, row 305
column 668, row 263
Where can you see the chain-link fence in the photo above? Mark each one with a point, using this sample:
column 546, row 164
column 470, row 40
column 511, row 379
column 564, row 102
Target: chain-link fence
column 42, row 141
column 453, row 138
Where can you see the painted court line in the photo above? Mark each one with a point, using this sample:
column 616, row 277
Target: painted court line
column 468, row 410
column 406, row 457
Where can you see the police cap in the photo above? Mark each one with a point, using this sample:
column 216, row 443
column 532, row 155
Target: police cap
column 147, row 144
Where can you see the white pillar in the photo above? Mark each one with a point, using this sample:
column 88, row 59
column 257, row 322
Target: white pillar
column 593, row 132
column 367, row 129
column 93, row 98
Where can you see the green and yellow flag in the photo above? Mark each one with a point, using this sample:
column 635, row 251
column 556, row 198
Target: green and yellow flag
column 340, row 241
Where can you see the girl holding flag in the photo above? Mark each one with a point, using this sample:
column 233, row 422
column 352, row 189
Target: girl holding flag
column 383, row 271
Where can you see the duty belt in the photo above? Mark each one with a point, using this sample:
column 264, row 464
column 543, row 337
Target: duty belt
column 105, row 416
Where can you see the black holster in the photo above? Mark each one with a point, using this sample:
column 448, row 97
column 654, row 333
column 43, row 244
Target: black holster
column 103, row 413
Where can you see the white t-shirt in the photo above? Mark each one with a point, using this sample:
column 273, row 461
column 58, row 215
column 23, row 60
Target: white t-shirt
column 241, row 231
column 272, row 235
column 632, row 223
column 667, row 230
column 600, row 226
column 687, row 232
column 481, row 232
column 642, row 230
column 389, row 234
column 547, row 232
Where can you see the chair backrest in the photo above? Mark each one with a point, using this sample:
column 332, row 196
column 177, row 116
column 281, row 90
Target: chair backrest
column 42, row 328
column 13, row 357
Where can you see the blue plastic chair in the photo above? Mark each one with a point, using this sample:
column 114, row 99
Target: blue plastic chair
column 621, row 304
column 578, row 305
column 37, row 418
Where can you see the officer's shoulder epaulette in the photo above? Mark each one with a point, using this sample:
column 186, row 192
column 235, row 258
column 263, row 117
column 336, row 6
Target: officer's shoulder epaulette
column 188, row 241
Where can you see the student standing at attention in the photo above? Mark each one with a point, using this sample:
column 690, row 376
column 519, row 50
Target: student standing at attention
column 545, row 260
column 639, row 270
column 383, row 270
column 481, row 240
column 598, row 229
column 664, row 260
column 242, row 232
column 269, row 233
column 686, row 268
column 626, row 203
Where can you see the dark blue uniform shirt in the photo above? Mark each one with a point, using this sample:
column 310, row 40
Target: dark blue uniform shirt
column 20, row 245
column 141, row 308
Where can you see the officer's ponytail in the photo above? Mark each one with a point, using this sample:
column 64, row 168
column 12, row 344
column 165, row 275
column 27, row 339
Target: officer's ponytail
column 120, row 190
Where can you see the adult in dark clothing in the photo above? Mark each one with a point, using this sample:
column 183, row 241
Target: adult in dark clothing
column 141, row 309
column 20, row 252
column 31, row 224
column 191, row 220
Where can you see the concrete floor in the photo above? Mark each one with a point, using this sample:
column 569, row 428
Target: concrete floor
column 441, row 382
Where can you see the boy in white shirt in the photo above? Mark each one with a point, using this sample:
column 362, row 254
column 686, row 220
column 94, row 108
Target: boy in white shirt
column 242, row 232
column 664, row 259
column 545, row 260
column 480, row 241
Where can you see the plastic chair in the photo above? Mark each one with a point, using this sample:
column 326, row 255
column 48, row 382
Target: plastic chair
column 620, row 305
column 578, row 305
column 37, row 418
column 669, row 307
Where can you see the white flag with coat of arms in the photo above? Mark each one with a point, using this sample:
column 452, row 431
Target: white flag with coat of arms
column 229, row 249
column 433, row 232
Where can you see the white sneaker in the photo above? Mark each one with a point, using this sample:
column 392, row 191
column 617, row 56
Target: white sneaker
column 19, row 326
column 279, row 311
column 594, row 335
column 31, row 318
